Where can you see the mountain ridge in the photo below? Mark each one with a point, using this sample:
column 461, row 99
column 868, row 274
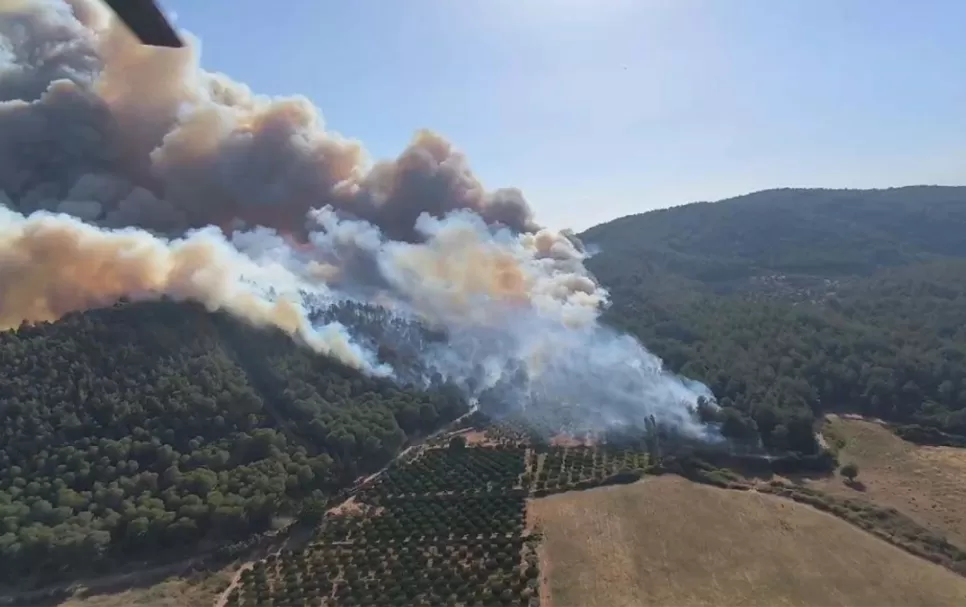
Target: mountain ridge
column 824, row 232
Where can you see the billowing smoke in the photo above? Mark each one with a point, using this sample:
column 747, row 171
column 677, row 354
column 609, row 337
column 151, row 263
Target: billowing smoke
column 129, row 171
column 93, row 115
column 54, row 264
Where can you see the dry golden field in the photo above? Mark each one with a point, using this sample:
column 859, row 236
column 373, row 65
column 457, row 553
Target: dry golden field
column 926, row 483
column 667, row 541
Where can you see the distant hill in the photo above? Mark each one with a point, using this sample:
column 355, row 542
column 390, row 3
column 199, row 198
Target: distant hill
column 816, row 232
column 789, row 303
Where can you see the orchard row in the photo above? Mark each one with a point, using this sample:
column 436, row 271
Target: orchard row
column 467, row 572
column 444, row 526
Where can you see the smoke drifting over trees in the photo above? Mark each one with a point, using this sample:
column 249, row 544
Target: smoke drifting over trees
column 129, row 171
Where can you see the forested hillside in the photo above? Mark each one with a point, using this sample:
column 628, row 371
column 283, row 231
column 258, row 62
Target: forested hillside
column 789, row 303
column 143, row 428
column 829, row 233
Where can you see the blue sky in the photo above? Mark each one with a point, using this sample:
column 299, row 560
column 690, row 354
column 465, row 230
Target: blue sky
column 602, row 108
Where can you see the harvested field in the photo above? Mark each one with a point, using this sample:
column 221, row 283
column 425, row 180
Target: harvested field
column 666, row 541
column 928, row 484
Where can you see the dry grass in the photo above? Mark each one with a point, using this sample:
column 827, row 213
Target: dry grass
column 569, row 440
column 928, row 484
column 666, row 541
column 198, row 591
column 348, row 507
column 476, row 437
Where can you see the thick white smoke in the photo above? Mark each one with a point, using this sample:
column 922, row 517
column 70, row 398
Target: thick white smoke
column 521, row 315
column 131, row 172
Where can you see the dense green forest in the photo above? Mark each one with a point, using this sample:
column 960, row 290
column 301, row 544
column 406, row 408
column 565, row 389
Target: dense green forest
column 790, row 303
column 143, row 428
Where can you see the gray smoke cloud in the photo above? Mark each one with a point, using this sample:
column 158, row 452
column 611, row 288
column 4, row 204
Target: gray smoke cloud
column 87, row 102
column 129, row 171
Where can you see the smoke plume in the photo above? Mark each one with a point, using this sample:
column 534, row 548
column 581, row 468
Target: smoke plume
column 129, row 171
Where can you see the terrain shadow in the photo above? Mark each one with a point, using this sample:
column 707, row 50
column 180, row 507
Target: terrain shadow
column 255, row 548
column 801, row 479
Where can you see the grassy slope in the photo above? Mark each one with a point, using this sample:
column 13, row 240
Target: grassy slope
column 200, row 590
column 926, row 483
column 667, row 541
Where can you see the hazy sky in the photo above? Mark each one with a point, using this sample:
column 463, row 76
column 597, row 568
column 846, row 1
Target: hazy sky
column 601, row 108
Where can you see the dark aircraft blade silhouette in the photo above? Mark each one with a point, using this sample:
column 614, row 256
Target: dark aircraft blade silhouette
column 146, row 21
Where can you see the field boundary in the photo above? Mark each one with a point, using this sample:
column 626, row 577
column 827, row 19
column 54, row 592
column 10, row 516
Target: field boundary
column 885, row 523
column 649, row 543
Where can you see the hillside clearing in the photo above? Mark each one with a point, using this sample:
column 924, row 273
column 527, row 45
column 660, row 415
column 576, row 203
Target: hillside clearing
column 200, row 590
column 926, row 483
column 667, row 541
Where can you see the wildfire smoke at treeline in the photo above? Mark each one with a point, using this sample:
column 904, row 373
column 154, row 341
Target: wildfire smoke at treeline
column 130, row 172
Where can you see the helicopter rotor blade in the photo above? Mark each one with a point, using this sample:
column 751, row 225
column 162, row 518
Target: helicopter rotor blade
column 145, row 19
